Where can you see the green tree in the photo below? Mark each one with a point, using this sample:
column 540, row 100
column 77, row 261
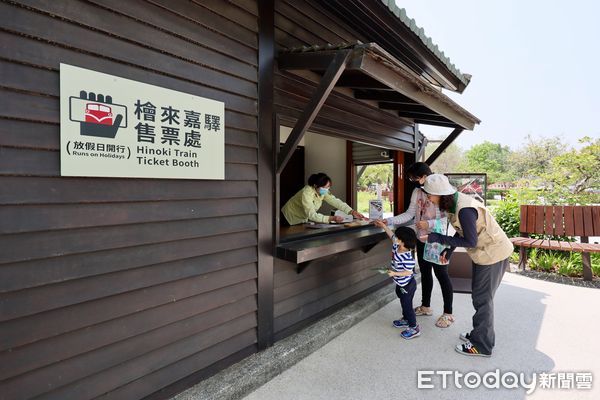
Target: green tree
column 574, row 176
column 488, row 157
column 374, row 173
column 533, row 159
column 448, row 161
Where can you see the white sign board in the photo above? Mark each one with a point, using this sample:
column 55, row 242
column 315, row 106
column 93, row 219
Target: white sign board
column 375, row 209
column 116, row 127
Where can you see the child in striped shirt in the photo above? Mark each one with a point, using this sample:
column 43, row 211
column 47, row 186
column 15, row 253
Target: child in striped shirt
column 404, row 242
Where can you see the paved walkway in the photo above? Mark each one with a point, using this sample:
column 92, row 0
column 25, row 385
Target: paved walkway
column 540, row 327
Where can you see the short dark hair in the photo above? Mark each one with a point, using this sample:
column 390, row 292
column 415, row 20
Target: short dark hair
column 319, row 179
column 417, row 170
column 446, row 202
column 407, row 236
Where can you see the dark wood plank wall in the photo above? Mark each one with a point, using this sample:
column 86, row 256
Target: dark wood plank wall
column 116, row 288
column 304, row 23
column 324, row 286
column 329, row 283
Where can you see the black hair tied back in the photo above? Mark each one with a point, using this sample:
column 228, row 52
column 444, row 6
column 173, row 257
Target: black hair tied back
column 418, row 170
column 319, row 179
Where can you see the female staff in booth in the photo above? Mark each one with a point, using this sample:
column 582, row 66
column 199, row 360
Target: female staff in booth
column 305, row 204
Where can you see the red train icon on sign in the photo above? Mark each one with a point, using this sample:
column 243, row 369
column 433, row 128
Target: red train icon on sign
column 97, row 114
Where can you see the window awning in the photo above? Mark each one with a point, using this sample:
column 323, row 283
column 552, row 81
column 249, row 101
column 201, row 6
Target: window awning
column 372, row 74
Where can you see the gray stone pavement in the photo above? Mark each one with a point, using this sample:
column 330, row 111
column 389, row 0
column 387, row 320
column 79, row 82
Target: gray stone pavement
column 540, row 327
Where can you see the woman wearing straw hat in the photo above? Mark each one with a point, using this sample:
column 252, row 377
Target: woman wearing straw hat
column 489, row 249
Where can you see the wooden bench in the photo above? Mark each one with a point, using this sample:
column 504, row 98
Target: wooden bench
column 552, row 221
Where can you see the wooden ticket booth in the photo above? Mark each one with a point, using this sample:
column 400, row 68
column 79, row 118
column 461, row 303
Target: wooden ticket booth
column 128, row 287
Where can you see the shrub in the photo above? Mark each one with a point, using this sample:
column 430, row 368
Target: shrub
column 569, row 267
column 489, row 195
column 507, row 214
column 514, row 257
column 563, row 263
column 541, row 260
column 594, row 258
column 596, row 264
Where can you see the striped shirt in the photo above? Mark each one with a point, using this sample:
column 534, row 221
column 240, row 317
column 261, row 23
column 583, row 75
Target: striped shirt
column 401, row 262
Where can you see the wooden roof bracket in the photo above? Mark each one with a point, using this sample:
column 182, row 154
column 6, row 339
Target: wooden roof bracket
column 444, row 145
column 332, row 74
column 422, row 141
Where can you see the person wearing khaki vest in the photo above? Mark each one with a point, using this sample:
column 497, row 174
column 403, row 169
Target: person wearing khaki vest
column 489, row 249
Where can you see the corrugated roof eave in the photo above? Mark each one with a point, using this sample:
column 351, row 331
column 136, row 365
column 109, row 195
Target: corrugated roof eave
column 411, row 24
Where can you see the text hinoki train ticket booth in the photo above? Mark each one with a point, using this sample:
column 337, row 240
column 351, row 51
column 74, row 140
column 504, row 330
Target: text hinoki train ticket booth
column 116, row 127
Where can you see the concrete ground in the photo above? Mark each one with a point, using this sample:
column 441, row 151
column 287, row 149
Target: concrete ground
column 541, row 327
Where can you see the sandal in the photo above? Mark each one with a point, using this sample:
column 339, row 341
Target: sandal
column 444, row 321
column 423, row 311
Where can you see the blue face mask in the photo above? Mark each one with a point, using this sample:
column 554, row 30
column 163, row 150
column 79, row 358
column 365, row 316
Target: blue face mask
column 323, row 191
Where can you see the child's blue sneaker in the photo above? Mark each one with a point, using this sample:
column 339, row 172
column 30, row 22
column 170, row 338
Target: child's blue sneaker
column 411, row 333
column 400, row 323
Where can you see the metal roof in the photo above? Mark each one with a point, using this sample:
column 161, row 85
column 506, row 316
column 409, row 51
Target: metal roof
column 410, row 23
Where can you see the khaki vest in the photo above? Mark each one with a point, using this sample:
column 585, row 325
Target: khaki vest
column 492, row 243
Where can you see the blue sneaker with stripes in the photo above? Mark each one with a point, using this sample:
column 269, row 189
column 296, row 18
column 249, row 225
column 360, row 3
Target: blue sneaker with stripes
column 411, row 333
column 400, row 323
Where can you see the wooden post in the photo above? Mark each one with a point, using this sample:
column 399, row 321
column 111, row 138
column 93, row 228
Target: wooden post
column 266, row 169
column 351, row 178
column 522, row 257
column 587, row 262
column 399, row 180
column 404, row 196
